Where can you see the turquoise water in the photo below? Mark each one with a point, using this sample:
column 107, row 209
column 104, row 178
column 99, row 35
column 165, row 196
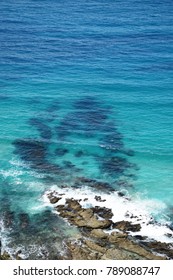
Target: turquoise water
column 85, row 91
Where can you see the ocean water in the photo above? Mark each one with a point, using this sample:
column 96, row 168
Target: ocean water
column 86, row 93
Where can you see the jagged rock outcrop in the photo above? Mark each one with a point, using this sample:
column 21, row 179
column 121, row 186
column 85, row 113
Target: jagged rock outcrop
column 101, row 238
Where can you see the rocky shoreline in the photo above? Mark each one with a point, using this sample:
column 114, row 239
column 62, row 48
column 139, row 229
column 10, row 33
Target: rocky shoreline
column 99, row 237
column 102, row 239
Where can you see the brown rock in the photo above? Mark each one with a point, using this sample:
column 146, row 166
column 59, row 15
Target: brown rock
column 103, row 212
column 81, row 252
column 86, row 213
column 116, row 237
column 162, row 248
column 117, row 254
column 93, row 246
column 79, row 222
column 73, row 204
column 82, row 217
column 130, row 246
column 60, row 207
column 95, row 223
column 54, row 199
column 78, row 253
column 99, row 233
column 101, row 245
column 68, row 214
column 5, row 256
column 127, row 226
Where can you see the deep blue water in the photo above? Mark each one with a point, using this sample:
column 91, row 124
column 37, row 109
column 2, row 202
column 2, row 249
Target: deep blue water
column 85, row 91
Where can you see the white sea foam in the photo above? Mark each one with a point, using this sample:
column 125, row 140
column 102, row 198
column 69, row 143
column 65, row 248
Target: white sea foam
column 18, row 163
column 135, row 210
column 4, row 237
column 10, row 173
column 19, row 168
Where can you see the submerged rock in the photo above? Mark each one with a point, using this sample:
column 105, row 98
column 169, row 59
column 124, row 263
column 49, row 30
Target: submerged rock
column 31, row 150
column 79, row 154
column 34, row 153
column 115, row 165
column 61, row 152
column 101, row 186
column 43, row 129
column 24, row 220
column 68, row 164
column 9, row 218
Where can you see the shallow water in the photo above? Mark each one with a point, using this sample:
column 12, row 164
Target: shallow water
column 83, row 96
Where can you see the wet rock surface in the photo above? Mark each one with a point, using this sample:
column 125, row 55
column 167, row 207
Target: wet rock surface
column 81, row 217
column 101, row 239
column 161, row 248
column 53, row 199
column 127, row 226
column 4, row 255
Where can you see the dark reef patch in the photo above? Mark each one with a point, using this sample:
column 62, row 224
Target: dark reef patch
column 115, row 165
column 68, row 125
column 86, row 103
column 34, row 153
column 88, row 119
column 91, row 117
column 124, row 184
column 113, row 141
column 98, row 185
column 54, row 107
column 61, row 152
column 43, row 129
column 68, row 164
column 8, row 218
column 129, row 152
column 79, row 154
column 84, row 162
column 31, row 150
column 24, row 220
column 47, row 167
